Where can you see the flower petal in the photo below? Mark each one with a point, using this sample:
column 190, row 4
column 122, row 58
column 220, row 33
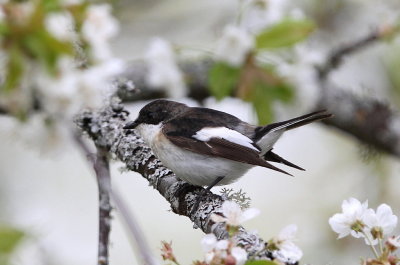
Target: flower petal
column 339, row 224
column 239, row 254
column 249, row 214
column 222, row 245
column 288, row 232
column 387, row 220
column 208, row 242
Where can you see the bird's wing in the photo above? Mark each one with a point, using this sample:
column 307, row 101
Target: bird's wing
column 215, row 141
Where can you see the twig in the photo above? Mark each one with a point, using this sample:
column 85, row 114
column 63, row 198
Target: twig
column 100, row 164
column 134, row 229
column 101, row 167
column 337, row 55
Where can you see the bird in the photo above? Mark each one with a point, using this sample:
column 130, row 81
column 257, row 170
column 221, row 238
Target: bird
column 207, row 147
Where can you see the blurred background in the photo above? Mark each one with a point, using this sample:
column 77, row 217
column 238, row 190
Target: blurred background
column 51, row 194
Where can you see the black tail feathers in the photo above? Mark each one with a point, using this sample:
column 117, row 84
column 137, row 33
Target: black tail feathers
column 292, row 123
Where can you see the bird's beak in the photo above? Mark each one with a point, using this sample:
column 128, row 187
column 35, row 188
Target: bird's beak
column 131, row 125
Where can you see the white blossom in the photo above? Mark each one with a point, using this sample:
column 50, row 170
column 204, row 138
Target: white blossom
column 38, row 134
column 60, row 94
column 2, row 15
column 98, row 28
column 60, row 25
column 288, row 233
column 209, row 257
column 287, row 252
column 383, row 220
column 263, row 13
column 208, row 242
column 218, row 250
column 351, row 220
column 234, row 45
column 222, row 244
column 379, row 223
column 73, row 89
column 213, row 248
column 233, row 214
column 163, row 71
column 300, row 71
column 239, row 254
column 96, row 80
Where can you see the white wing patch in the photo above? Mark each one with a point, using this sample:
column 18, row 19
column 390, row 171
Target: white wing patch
column 233, row 136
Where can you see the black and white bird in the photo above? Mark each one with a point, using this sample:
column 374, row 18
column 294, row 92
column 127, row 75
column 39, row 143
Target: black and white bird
column 206, row 147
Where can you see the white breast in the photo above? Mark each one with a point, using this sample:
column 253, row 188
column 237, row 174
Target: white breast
column 149, row 132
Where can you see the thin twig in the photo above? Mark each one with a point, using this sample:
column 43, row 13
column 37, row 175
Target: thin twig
column 336, row 57
column 134, row 229
column 101, row 167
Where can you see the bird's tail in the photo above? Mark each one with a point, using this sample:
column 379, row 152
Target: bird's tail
column 266, row 136
column 292, row 123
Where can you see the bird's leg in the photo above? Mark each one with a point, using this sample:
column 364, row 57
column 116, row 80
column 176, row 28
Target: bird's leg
column 204, row 192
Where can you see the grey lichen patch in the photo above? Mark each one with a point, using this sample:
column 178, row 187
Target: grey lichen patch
column 240, row 197
column 209, row 204
column 251, row 242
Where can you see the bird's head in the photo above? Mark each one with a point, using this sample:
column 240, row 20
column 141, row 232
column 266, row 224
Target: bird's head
column 157, row 111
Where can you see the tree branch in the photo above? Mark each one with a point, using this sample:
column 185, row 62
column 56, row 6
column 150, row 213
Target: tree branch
column 369, row 120
column 105, row 128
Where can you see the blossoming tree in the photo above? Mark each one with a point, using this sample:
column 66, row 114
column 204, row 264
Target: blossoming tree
column 59, row 74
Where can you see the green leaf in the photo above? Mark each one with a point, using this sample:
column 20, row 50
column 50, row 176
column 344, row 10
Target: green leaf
column 262, row 103
column 223, row 79
column 9, row 239
column 3, row 29
column 260, row 262
column 45, row 48
column 284, row 34
column 50, row 5
column 263, row 96
column 279, row 88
